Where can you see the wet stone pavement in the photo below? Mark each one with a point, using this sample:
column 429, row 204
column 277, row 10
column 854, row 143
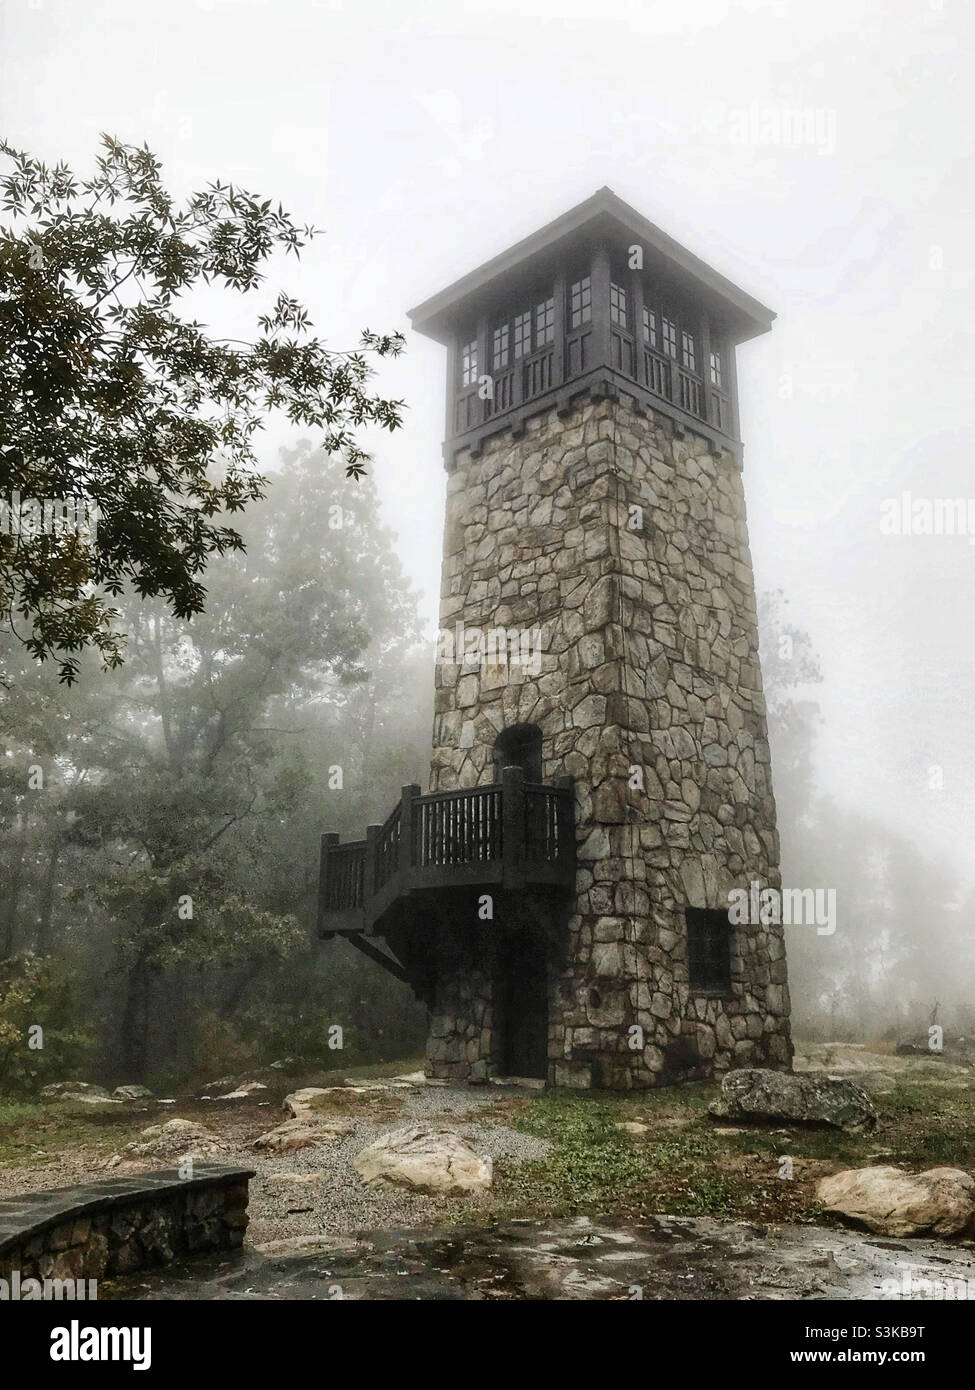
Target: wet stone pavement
column 672, row 1258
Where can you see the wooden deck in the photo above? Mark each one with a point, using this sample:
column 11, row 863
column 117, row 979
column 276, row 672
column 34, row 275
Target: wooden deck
column 512, row 833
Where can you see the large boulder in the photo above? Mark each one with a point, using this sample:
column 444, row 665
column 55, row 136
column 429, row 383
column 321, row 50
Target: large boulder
column 301, row 1133
column 303, row 1104
column 310, row 1099
column 132, row 1093
column 174, row 1139
column 243, row 1091
column 77, row 1091
column 424, row 1160
column 940, row 1202
column 754, row 1093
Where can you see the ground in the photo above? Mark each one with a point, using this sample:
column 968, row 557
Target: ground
column 620, row 1162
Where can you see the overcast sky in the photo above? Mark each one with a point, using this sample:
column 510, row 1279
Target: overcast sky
column 426, row 138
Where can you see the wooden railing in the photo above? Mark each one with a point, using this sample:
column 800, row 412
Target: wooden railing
column 462, row 827
column 387, row 851
column 533, row 376
column 690, row 394
column 344, row 886
column 537, row 374
column 510, row 832
column 656, row 373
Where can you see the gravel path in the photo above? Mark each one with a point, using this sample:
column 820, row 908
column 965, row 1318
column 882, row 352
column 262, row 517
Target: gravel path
column 335, row 1200
column 314, row 1191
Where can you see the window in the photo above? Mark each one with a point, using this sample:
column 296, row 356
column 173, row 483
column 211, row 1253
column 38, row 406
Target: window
column 468, row 364
column 716, row 369
column 687, row 347
column 580, row 302
column 523, row 334
column 617, row 305
column 499, row 349
column 545, row 322
column 709, row 949
column 649, row 327
column 670, row 337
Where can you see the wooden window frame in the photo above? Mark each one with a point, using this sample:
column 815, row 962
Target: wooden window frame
column 468, row 363
column 584, row 284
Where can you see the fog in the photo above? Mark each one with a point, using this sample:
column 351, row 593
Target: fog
column 820, row 156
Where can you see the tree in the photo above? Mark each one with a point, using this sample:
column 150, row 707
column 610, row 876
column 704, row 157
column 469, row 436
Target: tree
column 110, row 396
column 206, row 791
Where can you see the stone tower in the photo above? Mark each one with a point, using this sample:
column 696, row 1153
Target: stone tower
column 598, row 623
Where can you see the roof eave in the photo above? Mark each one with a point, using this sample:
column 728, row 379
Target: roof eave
column 436, row 316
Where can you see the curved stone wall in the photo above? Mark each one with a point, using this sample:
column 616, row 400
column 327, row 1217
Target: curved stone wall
column 123, row 1224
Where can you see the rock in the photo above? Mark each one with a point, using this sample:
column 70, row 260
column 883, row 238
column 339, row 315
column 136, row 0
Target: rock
column 307, row 1245
column 57, row 1089
column 891, row 1202
column 170, row 1140
column 527, row 1083
column 300, row 1104
column 424, row 1160
column 753, row 1093
column 245, row 1089
column 311, row 1099
column 132, row 1093
column 82, row 1091
column 300, row 1133
column 363, row 1087
column 186, row 1129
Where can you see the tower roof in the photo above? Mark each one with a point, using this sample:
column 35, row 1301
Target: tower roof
column 604, row 217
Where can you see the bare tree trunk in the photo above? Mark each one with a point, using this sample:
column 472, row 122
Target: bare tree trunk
column 44, row 942
column 134, row 1057
column 8, row 941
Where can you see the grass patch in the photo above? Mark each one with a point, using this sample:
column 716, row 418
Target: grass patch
column 35, row 1134
column 681, row 1166
column 591, row 1166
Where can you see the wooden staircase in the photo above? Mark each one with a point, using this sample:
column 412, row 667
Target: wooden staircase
column 513, row 834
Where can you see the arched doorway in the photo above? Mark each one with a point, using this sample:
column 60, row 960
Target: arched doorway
column 519, row 746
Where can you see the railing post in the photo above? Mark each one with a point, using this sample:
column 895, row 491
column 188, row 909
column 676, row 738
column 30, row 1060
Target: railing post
column 558, row 345
column 639, row 343
column 484, row 365
column 329, row 839
column 567, row 846
column 370, row 884
column 407, row 856
column 706, row 412
column 513, row 826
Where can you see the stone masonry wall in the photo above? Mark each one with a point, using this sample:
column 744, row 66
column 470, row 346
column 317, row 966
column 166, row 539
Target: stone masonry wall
column 123, row 1224
column 650, row 694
